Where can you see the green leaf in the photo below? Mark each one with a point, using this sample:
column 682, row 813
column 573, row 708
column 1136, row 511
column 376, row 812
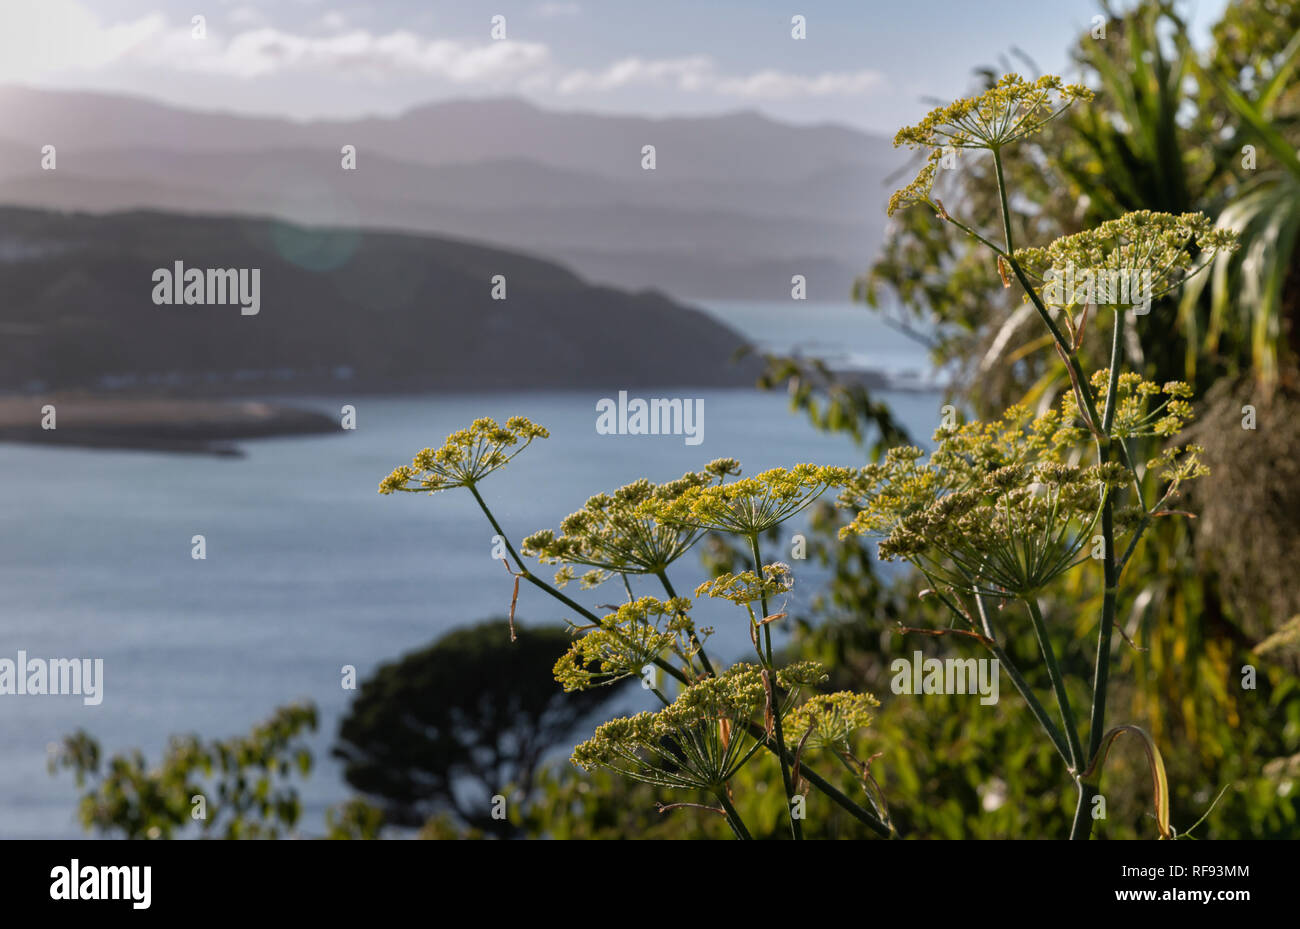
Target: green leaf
column 1254, row 117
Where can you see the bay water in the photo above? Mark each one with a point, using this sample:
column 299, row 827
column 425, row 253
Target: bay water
column 308, row 568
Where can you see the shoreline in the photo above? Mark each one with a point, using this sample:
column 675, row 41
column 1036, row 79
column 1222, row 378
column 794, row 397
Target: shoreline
column 153, row 423
column 183, row 424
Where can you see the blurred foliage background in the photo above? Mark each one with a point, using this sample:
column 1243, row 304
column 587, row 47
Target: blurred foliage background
column 1203, row 601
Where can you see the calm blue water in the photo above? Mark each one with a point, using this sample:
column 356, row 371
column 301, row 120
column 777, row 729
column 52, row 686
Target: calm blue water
column 847, row 335
column 308, row 568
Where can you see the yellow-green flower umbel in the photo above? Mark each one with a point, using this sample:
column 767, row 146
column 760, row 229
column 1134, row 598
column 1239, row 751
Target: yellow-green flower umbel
column 1005, row 113
column 627, row 641
column 615, row 533
column 699, row 741
column 829, row 721
column 995, row 509
column 1142, row 408
column 1140, row 257
column 465, row 458
column 748, row 586
column 750, row 506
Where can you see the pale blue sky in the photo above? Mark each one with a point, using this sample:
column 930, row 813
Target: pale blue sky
column 866, row 63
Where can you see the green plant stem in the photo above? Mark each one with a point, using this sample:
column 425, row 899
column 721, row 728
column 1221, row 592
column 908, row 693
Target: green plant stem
column 733, row 818
column 1082, row 389
column 497, row 526
column 1101, row 674
column 835, row 795
column 973, row 234
column 985, row 623
column 864, row 816
column 1137, row 484
column 1035, row 705
column 690, row 627
column 1004, row 661
column 523, row 569
column 758, row 570
column 1058, row 686
column 796, row 826
column 1082, row 828
column 1009, row 256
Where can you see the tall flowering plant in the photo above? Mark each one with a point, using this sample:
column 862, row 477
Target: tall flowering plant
column 1000, row 511
column 994, row 515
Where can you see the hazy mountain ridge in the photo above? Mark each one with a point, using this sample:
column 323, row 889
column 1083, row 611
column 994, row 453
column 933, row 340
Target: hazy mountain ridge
column 738, row 191
column 340, row 308
column 456, row 131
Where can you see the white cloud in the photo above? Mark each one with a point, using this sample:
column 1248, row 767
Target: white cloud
column 778, row 85
column 260, row 52
column 58, row 36
column 684, row 73
column 699, row 74
column 64, row 35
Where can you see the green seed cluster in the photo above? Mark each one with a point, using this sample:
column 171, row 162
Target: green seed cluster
column 902, row 484
column 699, row 741
column 919, row 190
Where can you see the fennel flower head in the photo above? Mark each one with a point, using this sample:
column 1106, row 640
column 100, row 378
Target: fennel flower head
column 1145, row 409
column 1010, row 110
column 750, row 586
column 829, row 721
column 700, row 740
column 1155, row 249
column 1142, row 408
column 627, row 641
column 995, row 509
column 465, row 458
column 615, row 533
column 750, row 506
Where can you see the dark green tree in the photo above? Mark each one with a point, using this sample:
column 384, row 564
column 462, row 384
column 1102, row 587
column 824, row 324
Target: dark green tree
column 447, row 728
